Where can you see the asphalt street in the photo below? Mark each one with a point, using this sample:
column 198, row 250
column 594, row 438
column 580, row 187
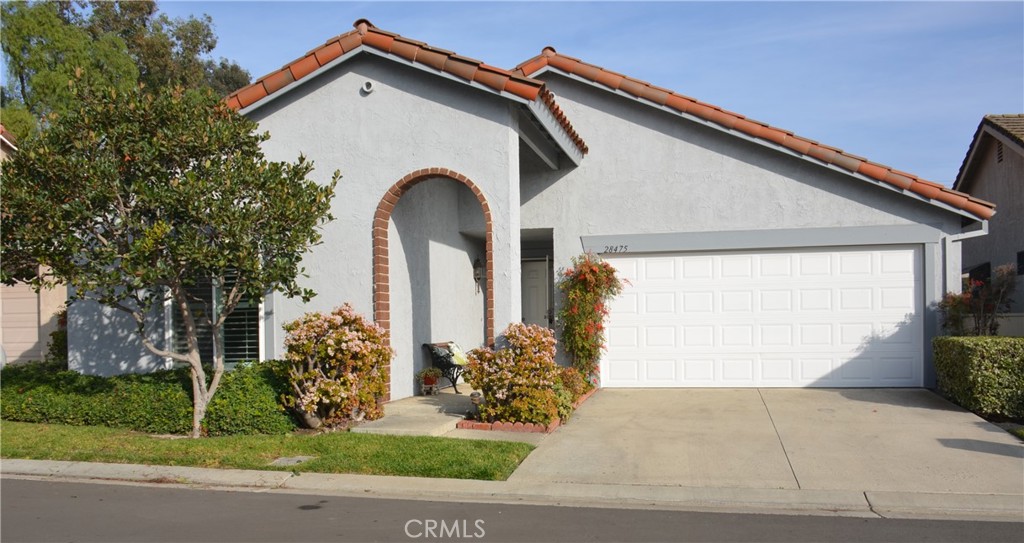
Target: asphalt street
column 83, row 512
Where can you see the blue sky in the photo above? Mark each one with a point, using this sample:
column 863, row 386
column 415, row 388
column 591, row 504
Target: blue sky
column 901, row 83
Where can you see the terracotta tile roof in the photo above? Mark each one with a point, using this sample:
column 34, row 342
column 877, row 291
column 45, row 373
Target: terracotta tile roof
column 1012, row 126
column 366, row 35
column 734, row 121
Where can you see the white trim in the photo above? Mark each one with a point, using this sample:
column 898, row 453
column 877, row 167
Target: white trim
column 168, row 332
column 262, row 354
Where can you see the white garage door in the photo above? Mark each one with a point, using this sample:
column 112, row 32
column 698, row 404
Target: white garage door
column 831, row 317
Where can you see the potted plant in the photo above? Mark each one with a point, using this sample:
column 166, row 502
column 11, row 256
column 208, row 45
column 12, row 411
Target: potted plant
column 429, row 376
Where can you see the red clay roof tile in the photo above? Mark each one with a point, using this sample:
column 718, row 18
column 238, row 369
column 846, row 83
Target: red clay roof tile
column 491, row 77
column 278, row 80
column 927, row 190
column 252, row 94
column 302, row 67
column 365, row 34
column 404, row 49
column 378, row 40
column 846, row 162
column 516, row 86
column 656, row 95
column 461, row 68
column 350, row 41
column 735, row 121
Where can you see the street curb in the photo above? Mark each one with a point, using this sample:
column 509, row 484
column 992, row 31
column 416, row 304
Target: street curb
column 743, row 500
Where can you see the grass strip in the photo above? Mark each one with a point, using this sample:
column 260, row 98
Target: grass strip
column 340, row 452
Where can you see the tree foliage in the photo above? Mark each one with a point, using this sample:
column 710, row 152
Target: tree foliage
column 109, row 43
column 132, row 197
column 44, row 51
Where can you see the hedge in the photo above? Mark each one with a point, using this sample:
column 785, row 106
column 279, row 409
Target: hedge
column 159, row 402
column 984, row 374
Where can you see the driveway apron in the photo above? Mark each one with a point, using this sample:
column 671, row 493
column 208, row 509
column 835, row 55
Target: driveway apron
column 692, row 437
column 834, row 439
column 893, row 439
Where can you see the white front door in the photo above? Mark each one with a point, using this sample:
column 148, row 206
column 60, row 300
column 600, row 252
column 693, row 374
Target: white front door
column 815, row 317
column 536, row 293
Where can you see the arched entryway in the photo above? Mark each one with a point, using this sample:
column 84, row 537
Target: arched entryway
column 382, row 272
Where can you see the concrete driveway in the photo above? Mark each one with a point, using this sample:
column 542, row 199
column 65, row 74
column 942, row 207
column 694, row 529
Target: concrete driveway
column 830, row 439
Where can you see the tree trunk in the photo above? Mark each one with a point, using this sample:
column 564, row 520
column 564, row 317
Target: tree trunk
column 199, row 403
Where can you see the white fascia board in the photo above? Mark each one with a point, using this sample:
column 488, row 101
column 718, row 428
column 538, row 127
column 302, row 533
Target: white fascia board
column 762, row 142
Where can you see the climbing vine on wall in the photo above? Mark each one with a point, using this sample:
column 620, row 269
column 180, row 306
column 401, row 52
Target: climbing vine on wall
column 588, row 286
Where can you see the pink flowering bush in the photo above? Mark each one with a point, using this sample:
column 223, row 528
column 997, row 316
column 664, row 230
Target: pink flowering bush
column 337, row 367
column 517, row 382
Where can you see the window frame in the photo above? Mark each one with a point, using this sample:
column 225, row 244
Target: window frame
column 169, row 336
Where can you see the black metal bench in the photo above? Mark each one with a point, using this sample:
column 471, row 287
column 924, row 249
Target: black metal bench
column 442, row 359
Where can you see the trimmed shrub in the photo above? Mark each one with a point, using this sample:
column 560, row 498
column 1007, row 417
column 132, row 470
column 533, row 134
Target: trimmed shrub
column 338, row 367
column 248, row 402
column 982, row 374
column 574, row 382
column 158, row 402
column 563, row 401
column 517, row 382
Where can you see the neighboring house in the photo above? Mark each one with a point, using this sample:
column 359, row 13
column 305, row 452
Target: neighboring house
column 26, row 318
column 755, row 257
column 994, row 170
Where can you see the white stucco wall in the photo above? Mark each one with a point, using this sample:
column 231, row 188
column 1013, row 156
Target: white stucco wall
column 650, row 171
column 104, row 341
column 410, row 121
column 433, row 295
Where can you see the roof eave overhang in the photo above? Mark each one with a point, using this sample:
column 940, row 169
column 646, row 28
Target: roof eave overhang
column 536, row 107
column 759, row 141
column 984, row 129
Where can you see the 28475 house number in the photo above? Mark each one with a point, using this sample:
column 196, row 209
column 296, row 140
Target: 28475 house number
column 615, row 249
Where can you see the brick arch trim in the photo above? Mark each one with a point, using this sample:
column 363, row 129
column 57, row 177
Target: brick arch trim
column 381, row 272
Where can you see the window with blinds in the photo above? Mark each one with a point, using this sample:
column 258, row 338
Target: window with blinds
column 241, row 332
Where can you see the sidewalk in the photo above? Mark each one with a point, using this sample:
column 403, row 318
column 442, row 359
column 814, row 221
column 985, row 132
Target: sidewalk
column 998, row 507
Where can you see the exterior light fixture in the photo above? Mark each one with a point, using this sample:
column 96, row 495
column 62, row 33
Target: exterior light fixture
column 478, row 273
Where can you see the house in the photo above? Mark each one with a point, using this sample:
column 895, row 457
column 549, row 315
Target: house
column 994, row 170
column 755, row 257
column 27, row 318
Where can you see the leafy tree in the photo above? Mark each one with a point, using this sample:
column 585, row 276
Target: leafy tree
column 131, row 198
column 225, row 77
column 115, row 44
column 43, row 52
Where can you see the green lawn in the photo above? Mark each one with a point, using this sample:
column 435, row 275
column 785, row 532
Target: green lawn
column 341, row 452
column 1019, row 432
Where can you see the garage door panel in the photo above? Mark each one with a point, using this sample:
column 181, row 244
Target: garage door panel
column 818, row 317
